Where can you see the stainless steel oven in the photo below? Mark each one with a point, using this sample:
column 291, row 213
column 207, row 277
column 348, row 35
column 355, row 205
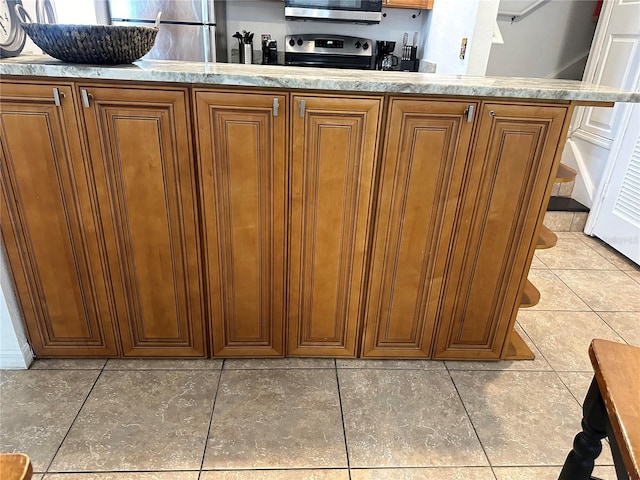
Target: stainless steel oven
column 333, row 51
column 358, row 11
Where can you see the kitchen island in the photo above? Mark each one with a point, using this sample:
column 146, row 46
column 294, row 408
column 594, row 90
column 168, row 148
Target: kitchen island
column 177, row 209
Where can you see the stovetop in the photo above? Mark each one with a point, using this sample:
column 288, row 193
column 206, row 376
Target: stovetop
column 321, row 50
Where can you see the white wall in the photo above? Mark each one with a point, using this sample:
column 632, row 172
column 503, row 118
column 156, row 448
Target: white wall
column 440, row 30
column 74, row 11
column 14, row 349
column 480, row 43
column 67, row 11
column 30, row 48
column 267, row 16
column 553, row 41
column 452, row 20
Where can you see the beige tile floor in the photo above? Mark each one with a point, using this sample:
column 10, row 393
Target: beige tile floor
column 320, row 419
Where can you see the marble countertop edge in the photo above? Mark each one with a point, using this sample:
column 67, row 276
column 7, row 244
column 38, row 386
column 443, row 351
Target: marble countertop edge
column 275, row 76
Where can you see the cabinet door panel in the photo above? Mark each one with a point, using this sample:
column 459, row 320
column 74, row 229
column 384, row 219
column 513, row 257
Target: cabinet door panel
column 421, row 175
column 243, row 173
column 423, row 4
column 333, row 160
column 502, row 207
column 142, row 157
column 48, row 225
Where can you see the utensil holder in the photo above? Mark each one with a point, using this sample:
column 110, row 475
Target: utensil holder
column 246, row 53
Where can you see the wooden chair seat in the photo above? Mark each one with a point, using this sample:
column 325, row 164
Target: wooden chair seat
column 611, row 409
column 15, row 466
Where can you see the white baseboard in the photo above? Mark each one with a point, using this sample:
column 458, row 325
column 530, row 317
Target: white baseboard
column 584, row 189
column 580, row 58
column 16, row 359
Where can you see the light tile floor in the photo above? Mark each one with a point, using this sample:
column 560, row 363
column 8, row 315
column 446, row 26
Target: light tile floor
column 320, row 419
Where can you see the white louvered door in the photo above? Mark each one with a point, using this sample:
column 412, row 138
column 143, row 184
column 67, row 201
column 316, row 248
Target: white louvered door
column 618, row 221
column 614, row 61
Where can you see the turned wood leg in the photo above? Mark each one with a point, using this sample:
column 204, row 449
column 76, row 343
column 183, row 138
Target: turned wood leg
column 618, row 462
column 587, row 445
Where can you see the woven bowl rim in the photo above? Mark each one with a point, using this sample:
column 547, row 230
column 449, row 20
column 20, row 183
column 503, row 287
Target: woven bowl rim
column 93, row 44
column 61, row 26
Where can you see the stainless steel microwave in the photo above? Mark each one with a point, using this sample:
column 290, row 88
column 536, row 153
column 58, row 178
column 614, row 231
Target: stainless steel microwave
column 357, row 11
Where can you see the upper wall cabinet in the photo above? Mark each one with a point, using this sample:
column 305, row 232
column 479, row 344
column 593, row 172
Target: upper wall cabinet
column 49, row 223
column 421, row 4
column 140, row 145
column 242, row 154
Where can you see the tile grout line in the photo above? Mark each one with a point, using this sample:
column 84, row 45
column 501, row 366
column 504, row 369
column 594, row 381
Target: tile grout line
column 601, row 256
column 607, row 324
column 215, row 397
column 586, row 243
column 470, row 421
column 591, row 309
column 344, row 429
column 537, row 347
column 571, row 290
column 553, row 312
column 629, row 272
column 604, row 245
column 44, row 474
column 586, row 269
column 568, row 389
column 493, row 472
column 116, row 472
column 498, row 369
column 553, row 369
column 541, row 261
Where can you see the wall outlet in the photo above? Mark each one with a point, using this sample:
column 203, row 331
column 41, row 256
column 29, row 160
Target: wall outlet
column 264, row 38
column 463, row 48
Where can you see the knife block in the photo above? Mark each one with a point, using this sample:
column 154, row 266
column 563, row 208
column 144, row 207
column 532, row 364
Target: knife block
column 412, row 64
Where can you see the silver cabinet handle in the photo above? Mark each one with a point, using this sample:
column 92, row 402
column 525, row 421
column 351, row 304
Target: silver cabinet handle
column 86, row 98
column 303, row 106
column 57, row 96
column 276, row 105
column 492, row 113
column 469, row 112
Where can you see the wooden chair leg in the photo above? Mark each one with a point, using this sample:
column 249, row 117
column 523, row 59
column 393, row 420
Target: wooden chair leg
column 587, row 444
column 621, row 471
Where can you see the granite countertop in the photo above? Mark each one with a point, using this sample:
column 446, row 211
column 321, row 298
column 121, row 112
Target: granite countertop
column 275, row 76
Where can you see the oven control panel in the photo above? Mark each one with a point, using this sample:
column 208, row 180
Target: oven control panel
column 321, row 44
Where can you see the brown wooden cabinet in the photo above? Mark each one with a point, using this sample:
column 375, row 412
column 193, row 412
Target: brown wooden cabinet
column 141, row 152
column 49, row 223
column 285, row 235
column 422, row 169
column 242, row 152
column 421, row 4
column 333, row 157
column 506, row 185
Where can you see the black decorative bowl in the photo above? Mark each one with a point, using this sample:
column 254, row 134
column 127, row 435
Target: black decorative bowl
column 97, row 44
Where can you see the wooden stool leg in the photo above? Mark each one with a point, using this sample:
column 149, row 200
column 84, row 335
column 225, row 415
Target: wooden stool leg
column 618, row 462
column 587, row 445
